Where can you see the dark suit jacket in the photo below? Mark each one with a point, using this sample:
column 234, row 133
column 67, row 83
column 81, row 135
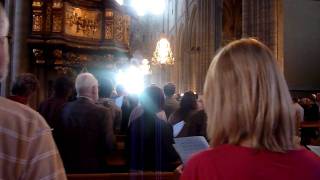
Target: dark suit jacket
column 51, row 109
column 88, row 137
column 149, row 144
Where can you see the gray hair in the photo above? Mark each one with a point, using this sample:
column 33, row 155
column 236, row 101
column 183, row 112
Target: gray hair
column 84, row 82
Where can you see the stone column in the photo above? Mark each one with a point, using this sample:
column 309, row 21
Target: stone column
column 20, row 31
column 263, row 20
column 8, row 5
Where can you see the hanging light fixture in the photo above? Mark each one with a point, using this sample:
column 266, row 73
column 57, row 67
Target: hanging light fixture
column 163, row 53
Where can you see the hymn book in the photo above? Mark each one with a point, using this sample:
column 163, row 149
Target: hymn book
column 315, row 149
column 187, row 146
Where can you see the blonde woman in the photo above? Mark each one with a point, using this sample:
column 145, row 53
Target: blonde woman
column 249, row 120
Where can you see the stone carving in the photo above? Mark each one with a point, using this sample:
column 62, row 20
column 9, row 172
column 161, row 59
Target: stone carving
column 81, row 22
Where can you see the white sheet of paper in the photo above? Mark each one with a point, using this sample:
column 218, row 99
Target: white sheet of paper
column 177, row 128
column 186, row 146
column 315, row 149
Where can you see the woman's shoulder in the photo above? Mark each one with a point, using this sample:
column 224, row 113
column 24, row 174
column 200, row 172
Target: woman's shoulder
column 210, row 155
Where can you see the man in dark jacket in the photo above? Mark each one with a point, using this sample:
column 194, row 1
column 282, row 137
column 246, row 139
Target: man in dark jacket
column 149, row 139
column 51, row 108
column 87, row 130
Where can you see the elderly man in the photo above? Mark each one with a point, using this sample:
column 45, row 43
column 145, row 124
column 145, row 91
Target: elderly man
column 87, row 130
column 27, row 149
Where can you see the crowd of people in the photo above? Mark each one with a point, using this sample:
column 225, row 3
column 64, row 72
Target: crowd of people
column 246, row 113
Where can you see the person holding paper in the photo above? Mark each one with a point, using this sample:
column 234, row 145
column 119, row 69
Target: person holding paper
column 250, row 123
column 180, row 119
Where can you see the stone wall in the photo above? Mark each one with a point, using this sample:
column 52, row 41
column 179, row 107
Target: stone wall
column 302, row 44
column 194, row 30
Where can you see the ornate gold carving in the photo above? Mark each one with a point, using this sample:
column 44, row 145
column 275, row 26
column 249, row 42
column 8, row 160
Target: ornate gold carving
column 109, row 24
column 126, row 29
column 38, row 56
column 57, row 23
column 109, row 13
column 37, row 4
column 57, row 4
column 82, row 22
column 118, row 26
column 57, row 54
column 48, row 19
column 36, row 22
column 109, row 31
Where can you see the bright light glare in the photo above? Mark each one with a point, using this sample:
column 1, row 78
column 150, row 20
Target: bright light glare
column 120, row 2
column 132, row 79
column 148, row 6
column 163, row 47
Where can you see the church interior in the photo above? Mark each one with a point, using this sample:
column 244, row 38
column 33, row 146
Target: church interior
column 138, row 43
column 54, row 39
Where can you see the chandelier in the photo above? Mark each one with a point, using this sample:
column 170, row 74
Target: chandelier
column 163, row 53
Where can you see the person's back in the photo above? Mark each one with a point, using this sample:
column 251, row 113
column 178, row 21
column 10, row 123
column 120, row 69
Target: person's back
column 51, row 108
column 105, row 91
column 256, row 139
column 188, row 108
column 87, row 136
column 198, row 124
column 149, row 144
column 170, row 104
column 236, row 162
column 149, row 138
column 27, row 148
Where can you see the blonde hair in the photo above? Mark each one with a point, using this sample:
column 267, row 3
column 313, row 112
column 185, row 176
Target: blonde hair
column 246, row 98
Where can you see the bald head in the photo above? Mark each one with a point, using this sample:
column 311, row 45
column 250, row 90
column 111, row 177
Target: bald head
column 87, row 85
column 4, row 26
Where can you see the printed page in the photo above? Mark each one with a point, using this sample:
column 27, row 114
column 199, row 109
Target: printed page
column 177, row 128
column 186, row 146
column 315, row 149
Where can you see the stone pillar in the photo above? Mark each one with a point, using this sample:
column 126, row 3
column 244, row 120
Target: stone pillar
column 20, row 31
column 263, row 20
column 8, row 5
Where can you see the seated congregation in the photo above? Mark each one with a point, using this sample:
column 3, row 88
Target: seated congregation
column 247, row 115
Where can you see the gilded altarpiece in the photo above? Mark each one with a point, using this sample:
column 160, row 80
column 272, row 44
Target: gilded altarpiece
column 81, row 22
column 77, row 30
column 71, row 35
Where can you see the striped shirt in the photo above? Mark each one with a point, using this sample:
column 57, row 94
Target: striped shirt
column 27, row 149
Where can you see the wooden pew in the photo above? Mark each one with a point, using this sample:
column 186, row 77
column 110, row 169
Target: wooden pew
column 117, row 161
column 126, row 176
column 310, row 124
